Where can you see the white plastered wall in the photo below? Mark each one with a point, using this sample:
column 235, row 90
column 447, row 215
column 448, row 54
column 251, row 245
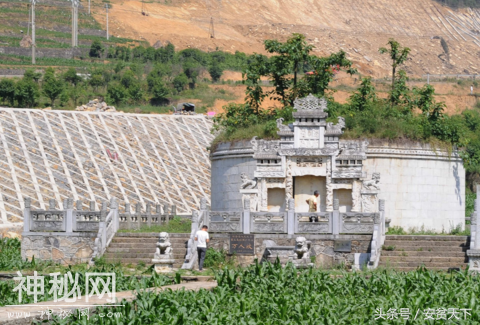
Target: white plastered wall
column 420, row 188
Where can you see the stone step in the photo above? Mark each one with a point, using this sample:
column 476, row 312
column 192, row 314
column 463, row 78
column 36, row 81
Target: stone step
column 424, row 259
column 148, row 246
column 147, row 240
column 139, row 255
column 147, row 261
column 424, row 253
column 395, row 265
column 439, row 249
column 424, row 243
column 426, row 238
column 176, row 250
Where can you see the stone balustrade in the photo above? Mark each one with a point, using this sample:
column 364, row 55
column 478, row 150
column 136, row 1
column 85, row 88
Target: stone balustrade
column 138, row 219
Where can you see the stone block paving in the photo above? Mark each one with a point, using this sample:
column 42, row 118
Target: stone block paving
column 156, row 159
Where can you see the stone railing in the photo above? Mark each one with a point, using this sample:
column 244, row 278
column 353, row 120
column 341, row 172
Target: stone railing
column 474, row 252
column 138, row 219
column 268, row 222
column 199, row 218
column 107, row 229
column 313, row 223
column 225, row 221
column 67, row 219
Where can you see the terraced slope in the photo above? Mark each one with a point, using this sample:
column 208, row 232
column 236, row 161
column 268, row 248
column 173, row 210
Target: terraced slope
column 94, row 156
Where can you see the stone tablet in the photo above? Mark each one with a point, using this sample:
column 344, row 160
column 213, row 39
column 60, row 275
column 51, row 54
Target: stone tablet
column 242, row 244
column 342, row 246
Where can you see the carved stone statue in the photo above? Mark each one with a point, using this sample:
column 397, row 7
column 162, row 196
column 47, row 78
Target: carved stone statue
column 336, row 128
column 281, row 127
column 247, row 183
column 254, row 143
column 302, row 248
column 164, row 247
column 163, row 258
column 372, row 185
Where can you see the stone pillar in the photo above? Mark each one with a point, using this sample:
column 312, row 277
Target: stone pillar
column 92, row 205
column 336, row 226
column 166, row 210
column 52, row 204
column 477, row 227
column 26, row 214
column 204, row 210
column 322, row 137
column 291, row 217
column 114, row 209
column 246, row 215
column 148, row 212
column 381, row 209
column 129, row 215
column 69, row 216
column 474, row 252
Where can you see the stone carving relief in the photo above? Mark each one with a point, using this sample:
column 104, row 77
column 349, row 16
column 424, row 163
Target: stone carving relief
column 225, row 226
column 369, row 202
column 275, row 182
column 356, row 196
column 329, row 195
column 250, row 202
column 314, row 228
column 308, row 152
column 310, row 103
column 336, row 128
column 309, row 162
column 372, row 185
column 347, row 172
column 289, row 184
column 247, row 183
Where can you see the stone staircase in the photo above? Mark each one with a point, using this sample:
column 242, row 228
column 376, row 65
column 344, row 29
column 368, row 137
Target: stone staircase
column 406, row 253
column 133, row 248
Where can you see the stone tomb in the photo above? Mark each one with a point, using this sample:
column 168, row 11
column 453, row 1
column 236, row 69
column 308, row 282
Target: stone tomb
column 308, row 157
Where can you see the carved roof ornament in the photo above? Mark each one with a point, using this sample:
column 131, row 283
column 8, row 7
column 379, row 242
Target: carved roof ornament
column 310, row 103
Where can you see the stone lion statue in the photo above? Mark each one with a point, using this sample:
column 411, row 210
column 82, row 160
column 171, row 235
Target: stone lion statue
column 336, row 128
column 302, row 248
column 164, row 247
column 247, row 183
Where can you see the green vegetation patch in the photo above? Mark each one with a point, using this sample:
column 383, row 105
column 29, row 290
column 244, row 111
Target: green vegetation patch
column 177, row 225
column 269, row 294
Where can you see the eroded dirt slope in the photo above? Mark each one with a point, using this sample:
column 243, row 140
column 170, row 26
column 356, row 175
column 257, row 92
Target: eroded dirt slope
column 358, row 27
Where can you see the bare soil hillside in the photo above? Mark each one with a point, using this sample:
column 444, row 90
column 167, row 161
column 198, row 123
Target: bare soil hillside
column 358, row 27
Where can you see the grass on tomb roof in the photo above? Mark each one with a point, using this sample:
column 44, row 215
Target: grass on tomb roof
column 178, row 226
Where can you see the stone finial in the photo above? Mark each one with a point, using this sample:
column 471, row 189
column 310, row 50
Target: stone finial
column 148, row 208
column 381, row 205
column 113, row 203
column 70, row 203
column 65, row 204
column 174, row 210
column 203, row 203
column 127, row 207
column 166, row 209
column 92, row 205
column 158, row 209
column 79, row 205
column 336, row 204
column 310, row 103
column 52, row 204
column 291, row 204
column 104, row 206
column 28, row 202
column 246, row 203
column 138, row 208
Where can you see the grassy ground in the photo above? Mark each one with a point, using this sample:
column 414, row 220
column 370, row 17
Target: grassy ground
column 177, row 225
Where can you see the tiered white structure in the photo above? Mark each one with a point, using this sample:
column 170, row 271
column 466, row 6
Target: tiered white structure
column 137, row 158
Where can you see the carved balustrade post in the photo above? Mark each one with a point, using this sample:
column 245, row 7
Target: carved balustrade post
column 138, row 215
column 246, row 215
column 52, row 204
column 128, row 215
column 336, row 222
column 69, row 215
column 166, row 209
column 26, row 214
column 291, row 217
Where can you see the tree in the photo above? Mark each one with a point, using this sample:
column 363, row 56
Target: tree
column 252, row 79
column 30, row 74
column 159, row 91
column 52, row 86
column 136, row 92
column 26, row 93
column 117, row 94
column 96, row 50
column 72, row 77
column 76, row 92
column 399, row 55
column 364, row 96
column 96, row 81
column 215, row 71
column 7, row 90
column 128, row 79
column 294, row 51
column 180, row 82
column 191, row 69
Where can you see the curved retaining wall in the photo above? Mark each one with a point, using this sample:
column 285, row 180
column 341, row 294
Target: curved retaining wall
column 422, row 187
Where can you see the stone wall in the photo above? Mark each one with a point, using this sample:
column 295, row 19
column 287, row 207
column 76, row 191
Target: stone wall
column 63, row 248
column 421, row 186
column 66, row 53
column 322, row 247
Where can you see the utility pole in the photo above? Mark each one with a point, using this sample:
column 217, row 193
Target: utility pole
column 89, row 7
column 212, row 30
column 33, row 32
column 106, row 7
column 74, row 23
